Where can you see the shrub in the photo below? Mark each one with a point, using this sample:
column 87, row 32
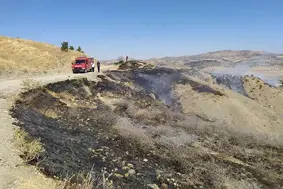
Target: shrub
column 30, row 149
column 79, row 49
column 71, row 48
column 64, row 46
column 88, row 181
column 28, row 84
column 119, row 62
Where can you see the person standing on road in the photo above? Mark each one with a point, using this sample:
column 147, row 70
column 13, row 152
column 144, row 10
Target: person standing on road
column 92, row 67
column 98, row 66
column 127, row 58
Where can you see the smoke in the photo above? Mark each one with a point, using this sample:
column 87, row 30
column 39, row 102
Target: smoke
column 232, row 82
column 159, row 81
column 161, row 85
column 245, row 68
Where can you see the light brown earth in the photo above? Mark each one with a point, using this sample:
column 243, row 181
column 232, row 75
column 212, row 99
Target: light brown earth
column 21, row 56
column 260, row 117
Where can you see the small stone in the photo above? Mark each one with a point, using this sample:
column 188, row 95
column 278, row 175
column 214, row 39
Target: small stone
column 158, row 174
column 127, row 175
column 152, row 96
column 130, row 165
column 145, row 160
column 118, row 175
column 125, row 168
column 164, row 186
column 132, row 172
column 153, row 186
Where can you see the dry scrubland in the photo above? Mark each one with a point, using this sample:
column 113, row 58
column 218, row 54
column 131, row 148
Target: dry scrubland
column 149, row 127
column 143, row 126
column 20, row 56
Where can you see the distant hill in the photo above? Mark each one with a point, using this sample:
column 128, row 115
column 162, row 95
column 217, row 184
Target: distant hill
column 220, row 58
column 27, row 56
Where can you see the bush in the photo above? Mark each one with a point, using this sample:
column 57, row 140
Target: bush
column 120, row 62
column 30, row 149
column 79, row 49
column 72, row 48
column 28, row 84
column 64, row 46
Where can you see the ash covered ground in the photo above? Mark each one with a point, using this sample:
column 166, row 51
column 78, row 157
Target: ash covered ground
column 155, row 127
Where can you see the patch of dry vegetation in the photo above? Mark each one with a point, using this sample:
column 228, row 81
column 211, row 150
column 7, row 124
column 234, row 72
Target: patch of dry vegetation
column 88, row 180
column 264, row 94
column 134, row 64
column 30, row 149
column 26, row 56
column 28, row 84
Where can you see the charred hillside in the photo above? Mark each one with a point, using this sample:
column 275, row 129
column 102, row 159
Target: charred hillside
column 136, row 128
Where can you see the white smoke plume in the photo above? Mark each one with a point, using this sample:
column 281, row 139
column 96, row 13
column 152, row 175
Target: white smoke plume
column 245, row 68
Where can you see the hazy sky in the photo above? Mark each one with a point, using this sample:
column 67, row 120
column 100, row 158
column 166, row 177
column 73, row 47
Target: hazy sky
column 107, row 29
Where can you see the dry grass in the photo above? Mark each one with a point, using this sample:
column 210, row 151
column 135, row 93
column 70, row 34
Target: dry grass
column 30, row 148
column 88, row 181
column 26, row 56
column 147, row 136
column 28, row 84
column 199, row 150
column 131, row 131
column 222, row 180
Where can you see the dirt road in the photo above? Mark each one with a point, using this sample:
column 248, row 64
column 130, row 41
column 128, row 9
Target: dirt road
column 13, row 172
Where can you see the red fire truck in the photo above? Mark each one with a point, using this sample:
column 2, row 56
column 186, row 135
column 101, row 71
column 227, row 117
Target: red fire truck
column 82, row 64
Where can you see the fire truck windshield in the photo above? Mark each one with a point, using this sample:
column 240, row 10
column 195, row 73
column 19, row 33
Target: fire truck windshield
column 80, row 61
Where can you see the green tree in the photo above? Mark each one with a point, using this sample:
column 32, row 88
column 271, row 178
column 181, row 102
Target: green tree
column 71, row 48
column 79, row 49
column 64, row 46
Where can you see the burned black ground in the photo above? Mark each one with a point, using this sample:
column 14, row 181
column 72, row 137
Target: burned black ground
column 232, row 82
column 81, row 138
column 88, row 131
